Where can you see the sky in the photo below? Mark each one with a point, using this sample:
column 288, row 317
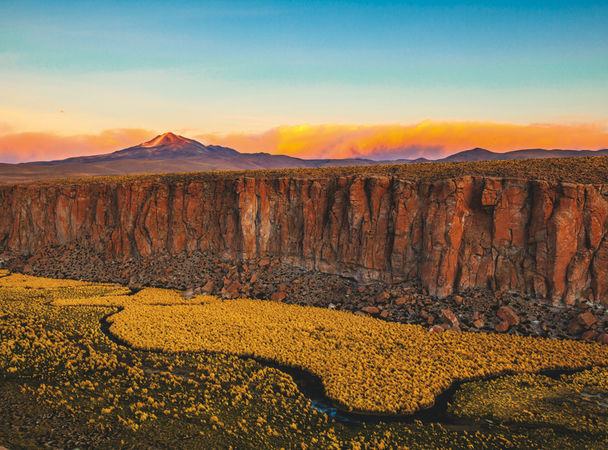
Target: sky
column 312, row 79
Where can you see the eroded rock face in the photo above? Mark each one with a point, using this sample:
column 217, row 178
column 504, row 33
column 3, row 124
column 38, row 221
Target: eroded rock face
column 541, row 238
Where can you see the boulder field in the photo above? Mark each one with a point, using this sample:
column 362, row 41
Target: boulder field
column 547, row 240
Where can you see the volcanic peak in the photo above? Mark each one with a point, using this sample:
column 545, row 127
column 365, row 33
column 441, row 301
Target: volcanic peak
column 166, row 139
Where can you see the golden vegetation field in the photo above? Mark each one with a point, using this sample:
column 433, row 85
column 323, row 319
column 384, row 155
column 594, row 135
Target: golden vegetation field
column 64, row 383
column 591, row 169
column 365, row 364
column 28, row 287
column 577, row 402
column 122, row 298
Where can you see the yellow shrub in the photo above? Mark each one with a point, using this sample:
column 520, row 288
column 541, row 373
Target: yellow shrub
column 365, row 364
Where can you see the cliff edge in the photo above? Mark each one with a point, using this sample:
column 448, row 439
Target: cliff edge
column 543, row 238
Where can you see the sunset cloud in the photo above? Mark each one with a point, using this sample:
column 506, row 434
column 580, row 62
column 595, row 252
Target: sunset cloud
column 42, row 146
column 430, row 139
column 427, row 139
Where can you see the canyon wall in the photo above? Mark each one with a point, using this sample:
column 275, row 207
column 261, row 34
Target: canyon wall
column 547, row 239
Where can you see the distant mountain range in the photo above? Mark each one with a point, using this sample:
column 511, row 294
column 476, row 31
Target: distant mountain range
column 172, row 153
column 481, row 154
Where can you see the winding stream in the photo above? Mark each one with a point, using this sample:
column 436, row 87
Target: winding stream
column 311, row 387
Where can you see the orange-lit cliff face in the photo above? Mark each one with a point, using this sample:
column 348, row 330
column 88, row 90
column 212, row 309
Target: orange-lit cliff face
column 426, row 139
column 547, row 239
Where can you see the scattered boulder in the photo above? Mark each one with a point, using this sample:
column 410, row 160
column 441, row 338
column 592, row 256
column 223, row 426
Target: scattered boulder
column 590, row 335
column 401, row 301
column 231, row 289
column 436, row 329
column 502, row 327
column 449, row 317
column 278, row 296
column 603, row 338
column 587, row 319
column 478, row 323
column 188, row 294
column 382, row 297
column 370, row 309
column 209, row 287
column 508, row 315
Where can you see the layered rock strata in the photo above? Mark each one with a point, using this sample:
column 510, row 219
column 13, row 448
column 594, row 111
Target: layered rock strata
column 545, row 239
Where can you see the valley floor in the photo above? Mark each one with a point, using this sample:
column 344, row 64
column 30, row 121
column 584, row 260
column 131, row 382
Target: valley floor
column 93, row 365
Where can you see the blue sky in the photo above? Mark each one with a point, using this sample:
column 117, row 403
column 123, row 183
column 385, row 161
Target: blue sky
column 248, row 66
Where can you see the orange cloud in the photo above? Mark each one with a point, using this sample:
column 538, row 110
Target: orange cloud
column 42, row 146
column 428, row 138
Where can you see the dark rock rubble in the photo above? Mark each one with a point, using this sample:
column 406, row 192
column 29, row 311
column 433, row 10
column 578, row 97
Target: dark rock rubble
column 266, row 278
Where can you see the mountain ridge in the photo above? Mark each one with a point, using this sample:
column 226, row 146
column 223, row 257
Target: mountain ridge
column 169, row 152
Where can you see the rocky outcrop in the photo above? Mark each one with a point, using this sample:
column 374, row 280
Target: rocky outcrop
column 546, row 239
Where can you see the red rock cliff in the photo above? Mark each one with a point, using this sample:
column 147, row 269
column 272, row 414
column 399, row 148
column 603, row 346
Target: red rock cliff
column 548, row 239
